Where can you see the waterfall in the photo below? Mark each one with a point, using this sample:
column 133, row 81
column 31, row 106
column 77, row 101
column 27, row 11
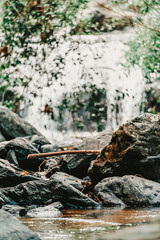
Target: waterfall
column 93, row 59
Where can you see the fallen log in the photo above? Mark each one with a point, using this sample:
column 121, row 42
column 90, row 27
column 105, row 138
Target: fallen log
column 32, row 156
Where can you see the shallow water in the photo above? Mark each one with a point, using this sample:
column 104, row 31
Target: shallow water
column 82, row 224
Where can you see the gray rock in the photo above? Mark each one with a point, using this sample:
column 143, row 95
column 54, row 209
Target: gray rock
column 57, row 205
column 128, row 191
column 38, row 192
column 49, row 148
column 44, row 212
column 13, row 126
column 15, row 210
column 11, row 228
column 12, row 176
column 129, row 149
column 70, row 180
column 77, row 165
column 38, row 141
column 147, row 231
column 22, row 149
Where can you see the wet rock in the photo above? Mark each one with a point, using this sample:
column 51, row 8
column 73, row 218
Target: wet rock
column 77, row 165
column 39, row 192
column 44, row 212
column 15, row 210
column 129, row 149
column 66, row 178
column 13, row 126
column 12, row 176
column 11, row 228
column 128, row 191
column 147, row 231
column 22, row 149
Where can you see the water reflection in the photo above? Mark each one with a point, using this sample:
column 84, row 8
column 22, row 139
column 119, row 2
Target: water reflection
column 82, row 224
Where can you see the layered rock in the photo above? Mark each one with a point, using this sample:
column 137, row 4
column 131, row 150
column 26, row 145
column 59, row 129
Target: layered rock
column 130, row 151
column 40, row 192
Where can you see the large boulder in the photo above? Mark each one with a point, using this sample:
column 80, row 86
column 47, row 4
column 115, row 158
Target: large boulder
column 128, row 191
column 12, row 176
column 12, row 126
column 11, row 228
column 130, row 149
column 78, row 165
column 40, row 192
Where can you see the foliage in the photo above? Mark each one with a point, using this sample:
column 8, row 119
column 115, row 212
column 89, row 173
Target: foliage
column 28, row 25
column 145, row 48
column 87, row 104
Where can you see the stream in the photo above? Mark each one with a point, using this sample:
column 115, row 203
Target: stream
column 83, row 224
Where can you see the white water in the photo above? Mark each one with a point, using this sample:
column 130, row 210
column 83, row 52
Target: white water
column 92, row 59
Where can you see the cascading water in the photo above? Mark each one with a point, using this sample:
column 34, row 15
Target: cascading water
column 90, row 59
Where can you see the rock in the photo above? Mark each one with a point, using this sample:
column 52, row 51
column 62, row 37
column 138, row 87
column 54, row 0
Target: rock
column 49, row 148
column 152, row 103
column 13, row 126
column 70, row 180
column 22, row 148
column 3, row 150
column 11, row 157
column 12, row 176
column 98, row 17
column 77, row 165
column 38, row 141
column 11, row 228
column 128, row 191
column 1, row 202
column 39, row 192
column 58, row 205
column 129, row 149
column 44, row 212
column 15, row 210
column 146, row 231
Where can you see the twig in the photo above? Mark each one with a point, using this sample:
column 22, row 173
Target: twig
column 32, row 156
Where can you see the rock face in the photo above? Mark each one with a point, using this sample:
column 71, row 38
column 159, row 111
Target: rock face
column 129, row 150
column 128, row 191
column 39, row 192
column 77, row 165
column 11, row 228
column 12, row 126
column 147, row 231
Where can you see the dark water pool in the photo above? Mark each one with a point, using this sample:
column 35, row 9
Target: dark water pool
column 82, row 224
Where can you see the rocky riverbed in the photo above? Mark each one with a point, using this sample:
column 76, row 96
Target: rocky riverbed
column 125, row 174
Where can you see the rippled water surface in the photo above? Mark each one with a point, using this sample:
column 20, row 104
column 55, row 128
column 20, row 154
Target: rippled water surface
column 82, row 224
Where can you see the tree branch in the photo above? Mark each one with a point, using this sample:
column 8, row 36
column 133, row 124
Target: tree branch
column 32, row 156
